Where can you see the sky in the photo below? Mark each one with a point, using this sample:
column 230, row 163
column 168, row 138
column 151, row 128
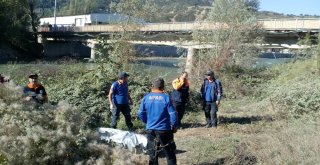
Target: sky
column 296, row 7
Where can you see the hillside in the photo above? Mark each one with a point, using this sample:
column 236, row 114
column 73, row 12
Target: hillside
column 275, row 15
column 180, row 11
column 167, row 10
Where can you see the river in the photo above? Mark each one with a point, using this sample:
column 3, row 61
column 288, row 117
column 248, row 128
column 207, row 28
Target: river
column 169, row 67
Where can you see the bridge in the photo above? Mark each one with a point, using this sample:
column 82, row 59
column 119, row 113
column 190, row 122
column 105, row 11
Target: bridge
column 277, row 25
column 277, row 29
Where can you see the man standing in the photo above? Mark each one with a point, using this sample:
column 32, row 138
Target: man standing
column 35, row 91
column 119, row 100
column 160, row 117
column 211, row 91
column 180, row 94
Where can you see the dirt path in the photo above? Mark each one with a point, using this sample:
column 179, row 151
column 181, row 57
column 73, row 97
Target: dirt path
column 205, row 146
column 200, row 145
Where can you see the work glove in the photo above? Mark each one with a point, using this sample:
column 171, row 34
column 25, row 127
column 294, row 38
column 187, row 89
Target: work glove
column 39, row 97
column 112, row 106
column 28, row 98
column 218, row 102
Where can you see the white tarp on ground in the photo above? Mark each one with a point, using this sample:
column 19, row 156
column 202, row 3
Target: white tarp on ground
column 128, row 139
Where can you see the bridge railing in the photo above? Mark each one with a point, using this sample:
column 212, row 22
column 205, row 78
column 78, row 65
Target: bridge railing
column 291, row 24
column 181, row 26
column 57, row 28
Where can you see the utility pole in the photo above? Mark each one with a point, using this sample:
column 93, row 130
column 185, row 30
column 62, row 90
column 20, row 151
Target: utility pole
column 75, row 7
column 54, row 12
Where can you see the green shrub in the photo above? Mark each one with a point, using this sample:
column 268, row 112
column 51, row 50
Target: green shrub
column 51, row 134
column 295, row 89
column 44, row 134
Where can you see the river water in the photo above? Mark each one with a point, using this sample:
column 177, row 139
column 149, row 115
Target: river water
column 162, row 66
column 169, row 67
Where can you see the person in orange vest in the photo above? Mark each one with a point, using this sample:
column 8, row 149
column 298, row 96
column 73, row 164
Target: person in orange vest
column 35, row 91
column 180, row 94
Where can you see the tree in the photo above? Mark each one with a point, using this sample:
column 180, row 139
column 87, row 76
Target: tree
column 18, row 25
column 307, row 49
column 161, row 11
column 234, row 40
column 253, row 5
column 318, row 54
column 34, row 19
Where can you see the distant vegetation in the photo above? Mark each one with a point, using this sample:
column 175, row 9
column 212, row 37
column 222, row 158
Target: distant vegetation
column 166, row 10
column 159, row 11
column 18, row 22
column 275, row 15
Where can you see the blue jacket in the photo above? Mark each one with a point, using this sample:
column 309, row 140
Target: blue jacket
column 157, row 111
column 216, row 91
column 120, row 93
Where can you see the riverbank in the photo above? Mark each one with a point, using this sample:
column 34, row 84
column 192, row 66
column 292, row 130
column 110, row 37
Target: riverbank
column 267, row 125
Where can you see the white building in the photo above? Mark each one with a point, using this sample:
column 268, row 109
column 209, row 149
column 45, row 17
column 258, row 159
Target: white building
column 89, row 19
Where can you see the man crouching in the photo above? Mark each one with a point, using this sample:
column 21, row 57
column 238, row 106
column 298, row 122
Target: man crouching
column 35, row 91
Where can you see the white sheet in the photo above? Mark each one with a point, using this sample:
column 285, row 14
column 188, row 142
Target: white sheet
column 128, row 139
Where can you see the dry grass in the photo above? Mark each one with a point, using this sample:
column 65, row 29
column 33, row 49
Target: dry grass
column 287, row 142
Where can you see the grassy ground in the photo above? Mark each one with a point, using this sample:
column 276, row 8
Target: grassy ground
column 248, row 137
column 199, row 145
column 278, row 127
column 276, row 123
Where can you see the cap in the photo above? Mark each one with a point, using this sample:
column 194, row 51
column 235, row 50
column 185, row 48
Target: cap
column 33, row 75
column 123, row 75
column 209, row 73
column 158, row 83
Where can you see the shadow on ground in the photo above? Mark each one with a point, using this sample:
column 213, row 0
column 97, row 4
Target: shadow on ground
column 243, row 119
column 162, row 155
column 240, row 159
column 180, row 151
column 230, row 120
column 219, row 161
column 192, row 125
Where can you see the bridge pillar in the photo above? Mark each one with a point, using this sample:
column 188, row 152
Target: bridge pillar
column 92, row 44
column 189, row 59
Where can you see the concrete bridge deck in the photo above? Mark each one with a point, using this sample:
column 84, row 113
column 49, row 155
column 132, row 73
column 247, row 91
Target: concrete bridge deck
column 297, row 25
